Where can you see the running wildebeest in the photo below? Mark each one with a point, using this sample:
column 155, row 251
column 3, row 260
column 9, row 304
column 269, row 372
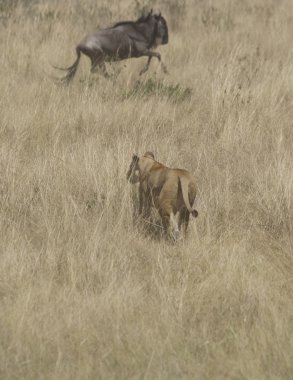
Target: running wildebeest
column 126, row 39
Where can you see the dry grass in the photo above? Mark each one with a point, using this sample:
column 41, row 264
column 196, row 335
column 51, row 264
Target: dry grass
column 83, row 294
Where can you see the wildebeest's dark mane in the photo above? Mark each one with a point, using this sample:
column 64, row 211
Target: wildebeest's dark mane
column 139, row 20
column 123, row 23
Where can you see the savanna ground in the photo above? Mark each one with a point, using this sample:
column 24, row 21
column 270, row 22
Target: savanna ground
column 84, row 294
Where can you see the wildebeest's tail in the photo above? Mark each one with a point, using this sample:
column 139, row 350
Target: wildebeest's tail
column 184, row 186
column 70, row 70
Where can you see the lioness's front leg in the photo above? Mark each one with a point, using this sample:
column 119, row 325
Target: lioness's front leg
column 144, row 203
column 147, row 205
column 141, row 200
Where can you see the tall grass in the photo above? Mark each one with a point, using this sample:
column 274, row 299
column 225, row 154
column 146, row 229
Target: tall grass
column 84, row 294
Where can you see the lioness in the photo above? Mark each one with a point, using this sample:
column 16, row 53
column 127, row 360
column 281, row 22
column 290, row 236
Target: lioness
column 170, row 191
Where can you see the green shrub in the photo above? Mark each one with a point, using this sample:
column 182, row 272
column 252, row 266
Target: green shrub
column 152, row 87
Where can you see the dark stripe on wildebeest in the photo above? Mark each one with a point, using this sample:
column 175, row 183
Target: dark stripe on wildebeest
column 125, row 39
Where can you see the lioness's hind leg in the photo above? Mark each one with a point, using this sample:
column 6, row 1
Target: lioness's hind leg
column 174, row 227
column 183, row 221
column 165, row 220
column 170, row 224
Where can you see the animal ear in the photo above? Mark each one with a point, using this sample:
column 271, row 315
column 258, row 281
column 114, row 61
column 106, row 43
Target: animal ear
column 135, row 157
column 151, row 12
column 150, row 155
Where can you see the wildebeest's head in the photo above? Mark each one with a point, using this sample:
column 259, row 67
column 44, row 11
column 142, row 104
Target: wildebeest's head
column 159, row 26
column 162, row 35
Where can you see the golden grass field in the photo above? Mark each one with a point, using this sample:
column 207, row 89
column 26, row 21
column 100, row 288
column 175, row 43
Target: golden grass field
column 85, row 294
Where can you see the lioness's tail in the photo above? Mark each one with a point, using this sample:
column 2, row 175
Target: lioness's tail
column 184, row 186
column 70, row 70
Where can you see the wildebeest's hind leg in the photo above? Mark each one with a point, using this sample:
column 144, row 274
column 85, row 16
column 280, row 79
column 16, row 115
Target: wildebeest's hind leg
column 97, row 60
column 152, row 54
column 99, row 65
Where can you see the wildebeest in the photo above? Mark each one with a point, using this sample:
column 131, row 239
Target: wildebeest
column 125, row 39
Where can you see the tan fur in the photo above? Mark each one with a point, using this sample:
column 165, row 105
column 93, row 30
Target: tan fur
column 170, row 191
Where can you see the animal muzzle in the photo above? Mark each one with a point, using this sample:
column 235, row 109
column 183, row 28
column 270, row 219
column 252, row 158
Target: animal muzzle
column 132, row 177
column 165, row 39
column 129, row 174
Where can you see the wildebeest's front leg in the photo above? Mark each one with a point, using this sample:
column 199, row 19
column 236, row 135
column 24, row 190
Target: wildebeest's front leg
column 146, row 66
column 152, row 54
